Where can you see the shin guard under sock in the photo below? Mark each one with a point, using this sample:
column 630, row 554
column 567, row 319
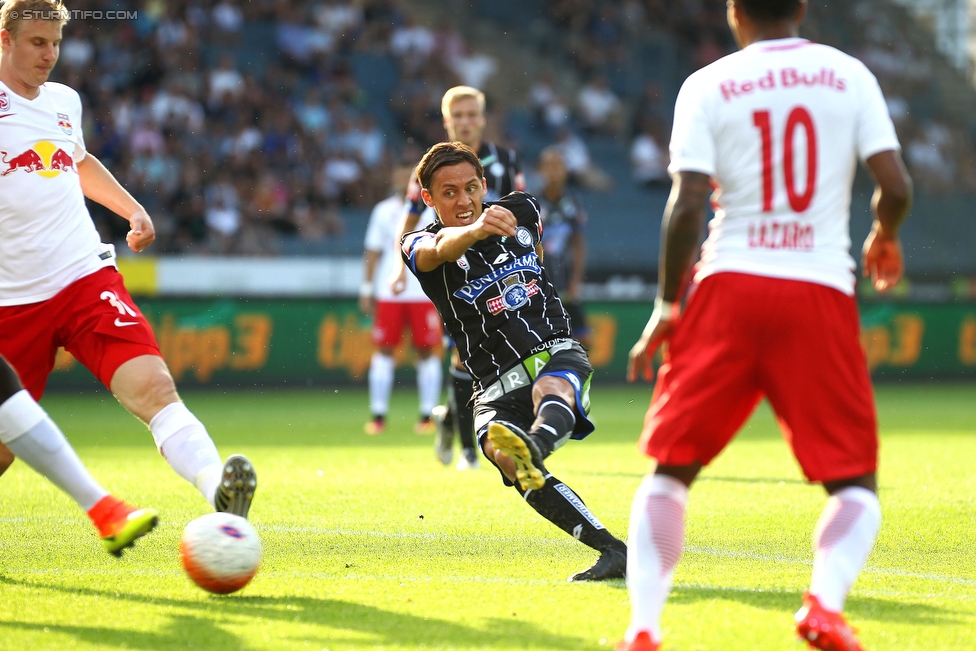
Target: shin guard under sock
column 558, row 504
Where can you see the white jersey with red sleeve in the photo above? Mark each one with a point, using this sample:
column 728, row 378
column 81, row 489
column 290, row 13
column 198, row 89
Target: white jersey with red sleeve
column 779, row 126
column 381, row 236
column 47, row 238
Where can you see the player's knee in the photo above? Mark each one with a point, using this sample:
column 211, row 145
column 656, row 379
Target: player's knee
column 145, row 389
column 6, row 458
column 549, row 385
column 9, row 382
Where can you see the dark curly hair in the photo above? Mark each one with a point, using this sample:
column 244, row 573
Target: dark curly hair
column 770, row 9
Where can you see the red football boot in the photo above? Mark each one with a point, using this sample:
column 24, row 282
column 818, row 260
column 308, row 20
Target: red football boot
column 823, row 629
column 642, row 642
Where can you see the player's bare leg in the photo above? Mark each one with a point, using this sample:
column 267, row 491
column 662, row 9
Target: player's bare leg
column 145, row 387
column 6, row 458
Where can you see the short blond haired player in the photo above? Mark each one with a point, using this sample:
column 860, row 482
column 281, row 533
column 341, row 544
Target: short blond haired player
column 774, row 133
column 59, row 286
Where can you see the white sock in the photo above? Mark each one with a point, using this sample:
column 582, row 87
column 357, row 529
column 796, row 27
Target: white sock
column 30, row 433
column 185, row 444
column 380, row 383
column 654, row 544
column 844, row 537
column 429, row 377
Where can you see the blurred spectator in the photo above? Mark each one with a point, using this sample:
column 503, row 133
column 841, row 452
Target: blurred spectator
column 343, row 21
column 928, row 155
column 548, row 103
column 576, row 157
column 412, row 44
column 448, row 42
column 227, row 17
column 226, row 83
column 223, row 214
column 647, row 157
column 474, row 68
column 600, row 109
column 77, row 50
column 339, row 179
column 312, row 115
column 299, row 41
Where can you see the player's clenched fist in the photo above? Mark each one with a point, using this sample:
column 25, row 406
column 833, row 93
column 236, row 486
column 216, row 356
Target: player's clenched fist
column 142, row 232
column 496, row 220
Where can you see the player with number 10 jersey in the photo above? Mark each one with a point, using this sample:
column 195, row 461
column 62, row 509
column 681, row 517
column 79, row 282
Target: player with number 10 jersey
column 781, row 124
column 774, row 133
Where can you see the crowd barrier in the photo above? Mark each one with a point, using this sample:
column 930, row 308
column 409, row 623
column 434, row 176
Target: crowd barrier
column 304, row 342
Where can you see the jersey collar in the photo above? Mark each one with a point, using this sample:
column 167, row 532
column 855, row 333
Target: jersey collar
column 779, row 44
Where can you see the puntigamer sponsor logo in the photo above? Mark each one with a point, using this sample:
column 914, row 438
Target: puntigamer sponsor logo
column 471, row 291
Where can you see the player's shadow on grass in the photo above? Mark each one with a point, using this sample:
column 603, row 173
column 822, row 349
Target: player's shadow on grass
column 359, row 624
column 180, row 631
column 857, row 607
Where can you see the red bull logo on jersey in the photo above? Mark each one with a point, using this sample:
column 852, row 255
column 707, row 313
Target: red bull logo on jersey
column 65, row 123
column 784, row 78
column 45, row 158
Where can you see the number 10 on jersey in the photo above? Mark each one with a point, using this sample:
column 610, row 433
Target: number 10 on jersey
column 799, row 118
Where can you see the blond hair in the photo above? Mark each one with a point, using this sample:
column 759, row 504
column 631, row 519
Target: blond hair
column 15, row 12
column 461, row 92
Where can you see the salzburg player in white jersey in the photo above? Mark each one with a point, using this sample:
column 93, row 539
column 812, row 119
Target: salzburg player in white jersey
column 392, row 313
column 59, row 285
column 774, row 132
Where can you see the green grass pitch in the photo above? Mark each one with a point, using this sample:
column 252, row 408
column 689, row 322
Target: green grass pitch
column 370, row 544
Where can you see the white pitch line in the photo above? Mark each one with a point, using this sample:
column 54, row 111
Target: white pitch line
column 776, row 558
column 708, row 551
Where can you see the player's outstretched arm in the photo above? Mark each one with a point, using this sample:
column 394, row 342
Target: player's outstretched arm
column 882, row 258
column 681, row 230
column 100, row 186
column 451, row 242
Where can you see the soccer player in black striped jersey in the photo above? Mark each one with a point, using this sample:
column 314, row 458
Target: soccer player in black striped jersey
column 481, row 265
column 463, row 111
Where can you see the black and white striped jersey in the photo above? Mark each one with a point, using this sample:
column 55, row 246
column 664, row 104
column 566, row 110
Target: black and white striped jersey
column 496, row 300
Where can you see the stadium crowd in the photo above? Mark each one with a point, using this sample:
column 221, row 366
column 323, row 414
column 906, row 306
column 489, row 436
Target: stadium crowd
column 243, row 124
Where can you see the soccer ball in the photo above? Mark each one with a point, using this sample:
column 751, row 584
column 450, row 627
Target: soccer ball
column 221, row 552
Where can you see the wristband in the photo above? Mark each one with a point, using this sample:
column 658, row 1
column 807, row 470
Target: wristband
column 366, row 289
column 667, row 310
